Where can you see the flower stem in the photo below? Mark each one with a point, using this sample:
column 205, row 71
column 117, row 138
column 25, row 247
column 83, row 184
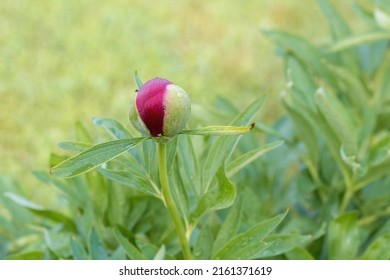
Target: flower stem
column 169, row 202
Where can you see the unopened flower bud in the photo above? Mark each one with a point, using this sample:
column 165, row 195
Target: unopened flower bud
column 160, row 109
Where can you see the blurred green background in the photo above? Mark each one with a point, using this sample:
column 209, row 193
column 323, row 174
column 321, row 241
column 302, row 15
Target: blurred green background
column 68, row 60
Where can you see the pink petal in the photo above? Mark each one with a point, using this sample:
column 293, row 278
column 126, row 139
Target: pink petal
column 150, row 104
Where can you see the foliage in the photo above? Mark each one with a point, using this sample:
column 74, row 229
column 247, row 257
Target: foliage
column 323, row 194
column 337, row 105
column 116, row 209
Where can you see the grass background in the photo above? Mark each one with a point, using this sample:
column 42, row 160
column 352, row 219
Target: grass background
column 68, row 60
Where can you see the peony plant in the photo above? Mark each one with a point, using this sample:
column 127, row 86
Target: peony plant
column 159, row 111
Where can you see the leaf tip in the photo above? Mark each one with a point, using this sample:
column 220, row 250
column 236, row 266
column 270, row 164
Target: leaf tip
column 53, row 172
column 137, row 79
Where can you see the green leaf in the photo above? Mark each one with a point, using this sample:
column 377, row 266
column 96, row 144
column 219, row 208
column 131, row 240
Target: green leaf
column 241, row 162
column 78, row 250
column 118, row 206
column 131, row 251
column 137, row 80
column 93, row 157
column 74, row 146
column 172, row 150
column 219, row 130
column 364, row 14
column 245, row 117
column 353, row 86
column 149, row 152
column 382, row 17
column 299, row 253
column 357, row 40
column 224, row 105
column 97, row 250
column 23, row 238
column 220, row 197
column 305, row 124
column 82, row 134
column 309, row 120
column 385, row 82
column 181, row 189
column 343, row 237
column 58, row 243
column 282, row 243
column 33, row 255
column 55, row 159
column 187, row 163
column 23, row 202
column 270, row 131
column 203, row 244
column 310, row 55
column 340, row 30
column 184, row 176
column 222, row 147
column 246, row 252
column 118, row 254
column 98, row 193
column 337, row 24
column 383, row 4
column 374, row 172
column 300, row 83
column 132, row 179
column 42, row 212
column 73, row 193
column 132, row 160
column 338, row 119
column 251, row 243
column 229, row 227
column 57, row 217
column 148, row 249
column 379, row 249
column 135, row 216
column 115, row 128
column 160, row 255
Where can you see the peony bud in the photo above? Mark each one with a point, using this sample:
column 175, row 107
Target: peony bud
column 160, row 108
